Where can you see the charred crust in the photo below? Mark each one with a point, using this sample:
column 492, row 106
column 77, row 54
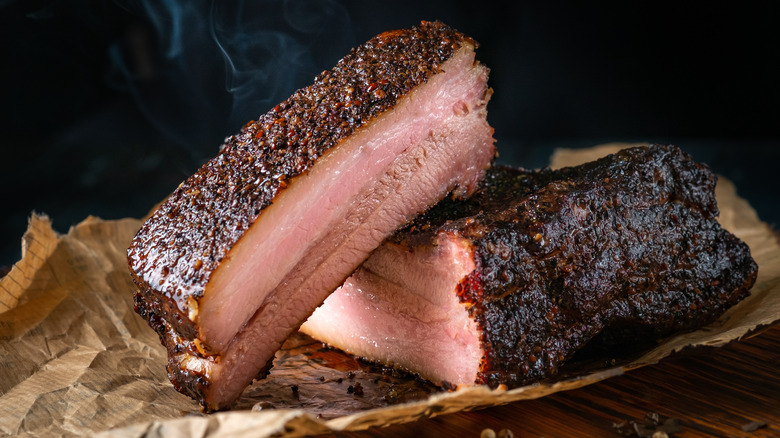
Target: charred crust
column 266, row 370
column 500, row 187
column 162, row 313
column 470, row 290
column 192, row 384
column 448, row 386
column 178, row 248
column 614, row 252
column 185, row 380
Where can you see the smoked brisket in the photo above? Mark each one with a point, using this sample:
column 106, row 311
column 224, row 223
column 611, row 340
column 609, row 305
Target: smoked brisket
column 245, row 249
column 506, row 286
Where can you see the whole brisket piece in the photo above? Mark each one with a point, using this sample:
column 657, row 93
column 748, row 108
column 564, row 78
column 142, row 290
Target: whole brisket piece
column 245, row 249
column 503, row 288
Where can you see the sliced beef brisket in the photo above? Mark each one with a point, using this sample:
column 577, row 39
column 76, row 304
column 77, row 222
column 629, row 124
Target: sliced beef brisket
column 245, row 249
column 503, row 288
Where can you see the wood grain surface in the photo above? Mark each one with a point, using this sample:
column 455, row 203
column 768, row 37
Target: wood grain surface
column 731, row 391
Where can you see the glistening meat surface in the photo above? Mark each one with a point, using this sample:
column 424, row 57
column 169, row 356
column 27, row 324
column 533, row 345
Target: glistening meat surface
column 503, row 288
column 245, row 249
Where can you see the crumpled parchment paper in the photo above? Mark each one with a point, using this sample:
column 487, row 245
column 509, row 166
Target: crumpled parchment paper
column 76, row 359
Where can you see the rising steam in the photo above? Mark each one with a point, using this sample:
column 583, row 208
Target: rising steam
column 201, row 69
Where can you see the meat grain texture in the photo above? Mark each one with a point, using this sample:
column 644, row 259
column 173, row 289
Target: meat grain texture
column 246, row 248
column 505, row 287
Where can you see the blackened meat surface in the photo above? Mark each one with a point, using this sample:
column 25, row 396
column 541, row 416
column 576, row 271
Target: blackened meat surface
column 220, row 329
column 212, row 209
column 626, row 248
column 630, row 241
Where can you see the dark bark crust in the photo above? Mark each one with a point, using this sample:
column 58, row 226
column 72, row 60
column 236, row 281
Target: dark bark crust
column 188, row 236
column 184, row 241
column 626, row 248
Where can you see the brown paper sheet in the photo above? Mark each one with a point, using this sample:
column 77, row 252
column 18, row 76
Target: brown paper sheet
column 76, row 359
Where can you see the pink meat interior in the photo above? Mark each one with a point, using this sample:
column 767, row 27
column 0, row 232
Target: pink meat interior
column 315, row 203
column 319, row 229
column 401, row 308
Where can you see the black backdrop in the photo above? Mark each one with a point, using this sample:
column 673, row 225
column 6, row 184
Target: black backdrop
column 107, row 106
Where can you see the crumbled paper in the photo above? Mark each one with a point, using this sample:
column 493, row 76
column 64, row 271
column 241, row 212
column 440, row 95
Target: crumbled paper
column 77, row 360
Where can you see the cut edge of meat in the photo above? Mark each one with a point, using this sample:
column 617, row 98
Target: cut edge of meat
column 303, row 213
column 179, row 247
column 449, row 154
column 295, row 299
column 510, row 304
column 402, row 308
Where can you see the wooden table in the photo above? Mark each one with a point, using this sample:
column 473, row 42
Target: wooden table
column 699, row 392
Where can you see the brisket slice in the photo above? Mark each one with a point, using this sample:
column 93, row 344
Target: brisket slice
column 503, row 288
column 245, row 249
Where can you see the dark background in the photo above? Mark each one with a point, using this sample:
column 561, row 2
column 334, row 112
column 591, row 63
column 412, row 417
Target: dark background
column 107, row 106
